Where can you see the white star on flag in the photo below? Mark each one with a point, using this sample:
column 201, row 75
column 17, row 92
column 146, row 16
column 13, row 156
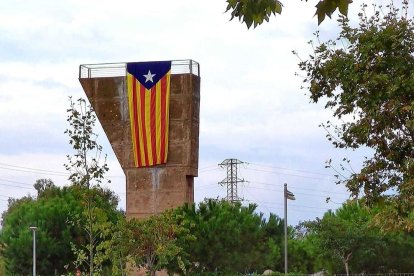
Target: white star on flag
column 149, row 76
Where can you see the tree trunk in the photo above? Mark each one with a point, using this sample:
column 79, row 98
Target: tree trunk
column 346, row 263
column 346, row 268
column 91, row 257
column 91, row 234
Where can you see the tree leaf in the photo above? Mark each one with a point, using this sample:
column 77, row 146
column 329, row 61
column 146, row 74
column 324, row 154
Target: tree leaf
column 343, row 7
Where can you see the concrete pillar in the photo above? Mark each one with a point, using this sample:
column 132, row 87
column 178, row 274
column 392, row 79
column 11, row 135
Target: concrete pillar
column 154, row 189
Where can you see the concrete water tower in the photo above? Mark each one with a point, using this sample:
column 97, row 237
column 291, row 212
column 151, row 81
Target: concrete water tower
column 150, row 187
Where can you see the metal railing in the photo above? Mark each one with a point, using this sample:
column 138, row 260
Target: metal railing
column 118, row 69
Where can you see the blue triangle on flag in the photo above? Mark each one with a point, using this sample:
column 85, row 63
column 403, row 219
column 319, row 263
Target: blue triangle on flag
column 148, row 73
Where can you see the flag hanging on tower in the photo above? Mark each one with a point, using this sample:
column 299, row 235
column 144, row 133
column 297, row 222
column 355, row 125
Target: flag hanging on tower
column 148, row 85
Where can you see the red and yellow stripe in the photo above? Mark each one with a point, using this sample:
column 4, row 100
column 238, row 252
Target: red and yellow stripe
column 149, row 116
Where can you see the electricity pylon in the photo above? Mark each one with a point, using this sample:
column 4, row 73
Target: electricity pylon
column 231, row 180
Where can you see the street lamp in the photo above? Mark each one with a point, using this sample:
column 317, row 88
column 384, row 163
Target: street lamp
column 287, row 195
column 34, row 228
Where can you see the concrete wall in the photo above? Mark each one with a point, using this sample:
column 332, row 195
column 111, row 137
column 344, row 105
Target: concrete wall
column 154, row 189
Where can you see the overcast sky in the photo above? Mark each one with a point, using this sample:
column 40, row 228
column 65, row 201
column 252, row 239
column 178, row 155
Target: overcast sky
column 252, row 107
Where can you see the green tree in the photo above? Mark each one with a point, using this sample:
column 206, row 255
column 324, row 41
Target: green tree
column 150, row 243
column 350, row 237
column 255, row 12
column 229, row 238
column 105, row 218
column 53, row 235
column 51, row 212
column 88, row 170
column 369, row 85
column 271, row 250
column 2, row 265
column 303, row 255
column 119, row 249
column 343, row 234
column 399, row 254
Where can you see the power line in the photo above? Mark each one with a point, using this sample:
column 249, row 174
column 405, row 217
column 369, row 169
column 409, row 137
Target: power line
column 208, row 170
column 16, row 186
column 289, row 169
column 41, row 171
column 308, row 189
column 280, row 190
column 273, row 206
column 289, row 174
column 294, row 210
column 211, row 186
column 32, row 171
column 208, row 167
column 28, row 168
column 297, row 206
column 17, row 182
column 256, row 200
column 201, row 170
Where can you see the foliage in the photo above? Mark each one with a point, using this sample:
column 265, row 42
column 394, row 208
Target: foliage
column 87, row 170
column 344, row 234
column 2, row 265
column 150, row 243
column 85, row 165
column 271, row 251
column 349, row 237
column 229, row 239
column 53, row 235
column 118, row 250
column 51, row 212
column 303, row 256
column 369, row 86
column 98, row 223
column 255, row 12
column 44, row 186
column 398, row 254
column 328, row 7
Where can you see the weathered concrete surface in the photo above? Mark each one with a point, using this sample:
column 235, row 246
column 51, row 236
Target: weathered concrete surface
column 154, row 189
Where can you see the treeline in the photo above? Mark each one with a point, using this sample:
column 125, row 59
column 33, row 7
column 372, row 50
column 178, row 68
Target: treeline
column 80, row 228
column 214, row 237
column 59, row 215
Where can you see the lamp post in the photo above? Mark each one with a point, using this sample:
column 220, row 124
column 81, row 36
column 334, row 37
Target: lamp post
column 34, row 228
column 287, row 195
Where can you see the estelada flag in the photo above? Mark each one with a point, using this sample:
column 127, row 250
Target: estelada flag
column 148, row 85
